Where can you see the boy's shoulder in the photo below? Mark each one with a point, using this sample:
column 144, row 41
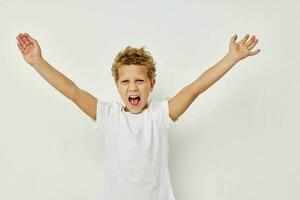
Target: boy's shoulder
column 155, row 104
column 159, row 105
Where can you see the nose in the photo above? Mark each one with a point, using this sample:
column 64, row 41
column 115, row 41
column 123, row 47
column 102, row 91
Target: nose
column 132, row 87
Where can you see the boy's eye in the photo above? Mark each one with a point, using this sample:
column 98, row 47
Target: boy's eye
column 137, row 80
column 126, row 81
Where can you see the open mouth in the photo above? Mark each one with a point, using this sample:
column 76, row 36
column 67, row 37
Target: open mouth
column 134, row 100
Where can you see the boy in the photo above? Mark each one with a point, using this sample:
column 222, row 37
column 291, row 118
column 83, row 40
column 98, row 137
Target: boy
column 136, row 137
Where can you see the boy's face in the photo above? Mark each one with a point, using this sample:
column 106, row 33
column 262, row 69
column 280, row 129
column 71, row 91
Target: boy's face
column 134, row 81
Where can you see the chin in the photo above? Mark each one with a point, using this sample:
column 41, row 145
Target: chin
column 135, row 110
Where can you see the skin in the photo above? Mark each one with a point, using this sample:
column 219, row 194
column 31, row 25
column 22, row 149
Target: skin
column 29, row 48
column 134, row 80
column 178, row 104
column 237, row 52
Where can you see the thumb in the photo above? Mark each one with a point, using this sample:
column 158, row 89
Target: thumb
column 233, row 39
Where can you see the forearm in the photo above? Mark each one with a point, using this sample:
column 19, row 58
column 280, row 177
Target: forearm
column 214, row 73
column 60, row 82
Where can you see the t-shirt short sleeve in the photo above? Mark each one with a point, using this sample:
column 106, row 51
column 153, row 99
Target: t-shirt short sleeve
column 103, row 111
column 167, row 119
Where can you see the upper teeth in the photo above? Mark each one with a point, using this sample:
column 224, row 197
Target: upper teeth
column 132, row 96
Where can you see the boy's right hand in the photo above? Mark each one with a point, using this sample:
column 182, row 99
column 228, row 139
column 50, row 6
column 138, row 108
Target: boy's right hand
column 29, row 48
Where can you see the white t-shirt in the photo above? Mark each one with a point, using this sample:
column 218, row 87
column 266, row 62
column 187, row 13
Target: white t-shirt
column 136, row 151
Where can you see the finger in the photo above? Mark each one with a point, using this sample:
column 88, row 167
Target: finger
column 30, row 39
column 20, row 47
column 24, row 39
column 20, row 40
column 244, row 39
column 249, row 42
column 233, row 39
column 254, row 52
column 28, row 49
column 253, row 44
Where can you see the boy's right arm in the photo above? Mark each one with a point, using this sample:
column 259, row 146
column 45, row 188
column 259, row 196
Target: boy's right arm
column 86, row 102
column 31, row 52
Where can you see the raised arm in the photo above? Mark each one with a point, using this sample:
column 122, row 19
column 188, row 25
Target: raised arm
column 31, row 52
column 237, row 51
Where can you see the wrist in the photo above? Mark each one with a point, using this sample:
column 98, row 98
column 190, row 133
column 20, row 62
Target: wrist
column 231, row 58
column 37, row 62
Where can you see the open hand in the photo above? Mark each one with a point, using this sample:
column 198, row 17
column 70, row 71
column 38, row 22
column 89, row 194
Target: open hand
column 29, row 48
column 243, row 48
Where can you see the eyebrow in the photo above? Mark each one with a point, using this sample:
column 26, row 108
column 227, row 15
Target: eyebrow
column 138, row 79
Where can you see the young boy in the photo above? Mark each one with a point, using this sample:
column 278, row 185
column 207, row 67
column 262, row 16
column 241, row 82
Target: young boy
column 135, row 131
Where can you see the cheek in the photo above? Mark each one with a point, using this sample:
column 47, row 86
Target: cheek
column 145, row 91
column 122, row 92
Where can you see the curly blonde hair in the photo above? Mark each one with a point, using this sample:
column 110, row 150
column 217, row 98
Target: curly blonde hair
column 137, row 56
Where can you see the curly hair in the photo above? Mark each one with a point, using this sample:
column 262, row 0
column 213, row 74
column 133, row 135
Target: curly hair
column 137, row 56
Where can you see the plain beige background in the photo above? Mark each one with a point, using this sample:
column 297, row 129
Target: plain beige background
column 238, row 140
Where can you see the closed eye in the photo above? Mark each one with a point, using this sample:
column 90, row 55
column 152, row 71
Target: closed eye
column 136, row 80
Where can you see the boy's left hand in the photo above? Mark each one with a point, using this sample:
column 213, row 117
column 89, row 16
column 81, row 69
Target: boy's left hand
column 243, row 48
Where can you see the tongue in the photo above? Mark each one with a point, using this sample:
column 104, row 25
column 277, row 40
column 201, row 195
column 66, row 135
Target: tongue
column 134, row 101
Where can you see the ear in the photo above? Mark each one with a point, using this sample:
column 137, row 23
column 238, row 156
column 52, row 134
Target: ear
column 152, row 83
column 117, row 86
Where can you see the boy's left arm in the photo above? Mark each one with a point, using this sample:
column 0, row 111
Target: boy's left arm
column 237, row 51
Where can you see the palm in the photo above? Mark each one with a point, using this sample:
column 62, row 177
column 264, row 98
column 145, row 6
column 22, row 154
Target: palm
column 243, row 48
column 29, row 48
